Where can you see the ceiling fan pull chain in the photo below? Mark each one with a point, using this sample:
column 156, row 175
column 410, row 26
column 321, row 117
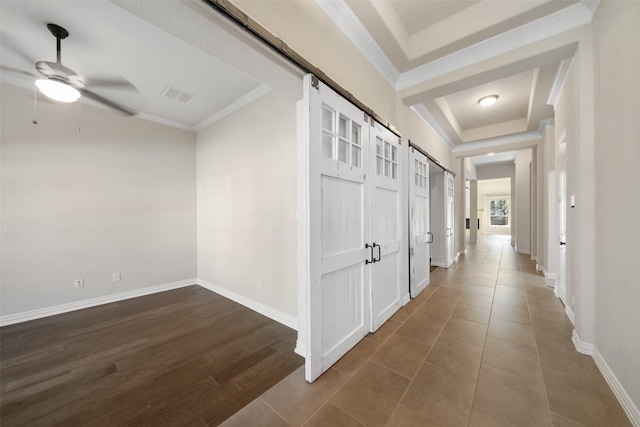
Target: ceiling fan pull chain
column 79, row 116
column 35, row 105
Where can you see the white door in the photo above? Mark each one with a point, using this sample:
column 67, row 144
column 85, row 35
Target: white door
column 449, row 212
column 561, row 277
column 337, row 293
column 386, row 226
column 420, row 237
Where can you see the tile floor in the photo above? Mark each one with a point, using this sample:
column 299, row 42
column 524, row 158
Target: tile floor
column 486, row 344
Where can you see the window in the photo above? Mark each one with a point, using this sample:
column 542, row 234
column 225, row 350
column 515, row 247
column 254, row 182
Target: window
column 386, row 159
column 341, row 140
column 499, row 209
column 420, row 174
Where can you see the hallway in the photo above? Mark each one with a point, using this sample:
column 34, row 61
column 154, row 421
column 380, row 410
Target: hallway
column 486, row 344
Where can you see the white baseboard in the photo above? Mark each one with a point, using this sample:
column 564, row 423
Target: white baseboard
column 406, row 299
column 271, row 313
column 570, row 314
column 546, row 274
column 92, row 302
column 440, row 264
column 625, row 400
column 582, row 346
column 299, row 350
column 621, row 394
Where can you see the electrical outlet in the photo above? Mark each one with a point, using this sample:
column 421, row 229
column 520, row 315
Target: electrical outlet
column 117, row 277
column 79, row 283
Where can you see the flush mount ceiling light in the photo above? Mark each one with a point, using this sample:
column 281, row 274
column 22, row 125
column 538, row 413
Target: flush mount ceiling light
column 57, row 90
column 491, row 154
column 487, row 101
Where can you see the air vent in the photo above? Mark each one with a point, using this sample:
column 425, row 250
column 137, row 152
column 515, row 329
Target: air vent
column 178, row 95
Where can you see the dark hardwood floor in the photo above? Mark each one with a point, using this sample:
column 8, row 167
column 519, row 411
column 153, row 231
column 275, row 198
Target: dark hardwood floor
column 182, row 357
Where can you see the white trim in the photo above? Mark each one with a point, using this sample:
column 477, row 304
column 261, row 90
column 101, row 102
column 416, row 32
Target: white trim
column 405, row 299
column 621, row 394
column 547, row 26
column 166, row 122
column 430, row 121
column 440, row 264
column 559, row 81
column 591, row 5
column 246, row 99
column 92, row 302
column 498, row 141
column 271, row 313
column 625, row 400
column 546, row 124
column 344, row 18
column 534, row 258
column 567, row 310
column 556, row 23
column 299, row 350
column 582, row 346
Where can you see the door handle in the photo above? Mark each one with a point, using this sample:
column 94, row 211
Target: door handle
column 379, row 253
column 430, row 234
column 563, row 243
column 372, row 260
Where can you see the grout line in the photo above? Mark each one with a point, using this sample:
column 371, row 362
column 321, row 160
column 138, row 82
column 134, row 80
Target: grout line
column 484, row 344
column 273, row 409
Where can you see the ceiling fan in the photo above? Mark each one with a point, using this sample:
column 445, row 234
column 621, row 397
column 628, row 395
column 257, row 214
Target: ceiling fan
column 62, row 84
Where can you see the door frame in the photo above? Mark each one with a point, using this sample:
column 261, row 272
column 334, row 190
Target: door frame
column 560, row 288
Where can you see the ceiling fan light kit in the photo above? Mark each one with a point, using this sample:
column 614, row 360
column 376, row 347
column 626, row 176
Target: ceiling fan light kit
column 62, row 84
column 487, row 101
column 58, row 91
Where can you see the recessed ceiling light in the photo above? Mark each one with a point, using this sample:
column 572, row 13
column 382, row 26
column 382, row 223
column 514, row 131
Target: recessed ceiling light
column 487, row 101
column 491, row 154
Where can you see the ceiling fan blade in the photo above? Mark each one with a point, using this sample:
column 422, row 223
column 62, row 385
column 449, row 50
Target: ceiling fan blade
column 9, row 43
column 108, row 103
column 110, row 82
column 13, row 70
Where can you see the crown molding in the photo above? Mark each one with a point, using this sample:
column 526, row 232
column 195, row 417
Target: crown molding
column 559, row 81
column 591, row 5
column 546, row 124
column 246, row 99
column 426, row 117
column 344, row 18
column 493, row 143
column 558, row 22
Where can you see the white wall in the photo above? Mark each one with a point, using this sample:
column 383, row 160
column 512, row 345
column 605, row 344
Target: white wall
column 617, row 86
column 523, row 202
column 246, row 172
column 119, row 196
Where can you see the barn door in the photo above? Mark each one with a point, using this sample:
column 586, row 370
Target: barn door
column 420, row 236
column 337, row 292
column 449, row 220
column 386, row 226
